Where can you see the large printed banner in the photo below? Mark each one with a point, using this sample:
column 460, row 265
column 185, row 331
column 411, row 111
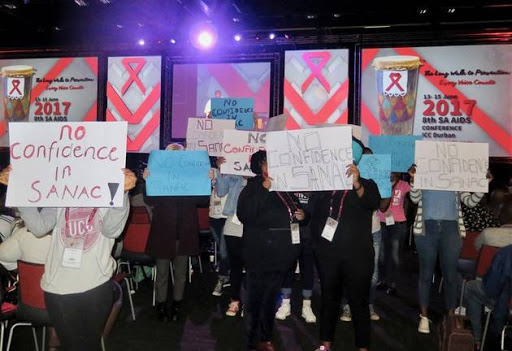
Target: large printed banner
column 451, row 166
column 133, row 93
column 178, row 173
column 207, row 134
column 310, row 159
column 316, row 87
column 238, row 146
column 449, row 93
column 67, row 164
column 47, row 90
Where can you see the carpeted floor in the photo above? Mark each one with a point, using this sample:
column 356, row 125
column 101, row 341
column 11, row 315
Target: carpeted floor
column 204, row 326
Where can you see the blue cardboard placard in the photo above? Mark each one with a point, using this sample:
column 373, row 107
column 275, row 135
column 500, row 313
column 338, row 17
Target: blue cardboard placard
column 178, row 173
column 400, row 147
column 378, row 168
column 239, row 109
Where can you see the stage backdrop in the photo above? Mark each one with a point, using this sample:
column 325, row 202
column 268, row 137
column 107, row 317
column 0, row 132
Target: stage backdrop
column 133, row 93
column 457, row 93
column 316, row 87
column 47, row 90
column 195, row 84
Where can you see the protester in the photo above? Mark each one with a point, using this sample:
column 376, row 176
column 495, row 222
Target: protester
column 438, row 228
column 78, row 298
column 229, row 187
column 345, row 254
column 270, row 220
column 306, row 266
column 394, row 232
column 173, row 237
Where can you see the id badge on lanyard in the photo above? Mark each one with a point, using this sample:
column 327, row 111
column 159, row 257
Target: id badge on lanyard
column 294, row 227
column 72, row 257
column 390, row 220
column 332, row 224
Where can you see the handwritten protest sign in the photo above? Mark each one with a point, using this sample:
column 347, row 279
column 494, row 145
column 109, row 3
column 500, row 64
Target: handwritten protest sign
column 73, row 164
column 310, row 159
column 238, row 146
column 206, row 134
column 451, row 166
column 400, row 147
column 378, row 168
column 277, row 123
column 178, row 173
column 240, row 109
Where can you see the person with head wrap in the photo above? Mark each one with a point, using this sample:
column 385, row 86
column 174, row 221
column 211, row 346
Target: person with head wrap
column 271, row 225
column 342, row 223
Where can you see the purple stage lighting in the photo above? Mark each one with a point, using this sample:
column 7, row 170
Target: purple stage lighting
column 203, row 36
column 271, row 36
column 141, row 42
column 237, row 37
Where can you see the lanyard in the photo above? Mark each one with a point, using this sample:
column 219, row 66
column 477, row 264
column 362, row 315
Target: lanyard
column 342, row 201
column 89, row 219
column 288, row 207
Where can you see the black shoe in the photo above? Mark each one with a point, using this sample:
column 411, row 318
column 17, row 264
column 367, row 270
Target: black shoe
column 381, row 285
column 161, row 312
column 175, row 311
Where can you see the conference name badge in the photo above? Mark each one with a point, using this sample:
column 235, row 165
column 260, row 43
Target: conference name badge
column 329, row 228
column 73, row 251
column 390, row 220
column 235, row 220
column 295, row 233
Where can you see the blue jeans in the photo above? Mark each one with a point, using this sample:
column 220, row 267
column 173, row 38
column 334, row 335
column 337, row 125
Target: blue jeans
column 475, row 299
column 377, row 239
column 217, row 226
column 441, row 237
column 393, row 238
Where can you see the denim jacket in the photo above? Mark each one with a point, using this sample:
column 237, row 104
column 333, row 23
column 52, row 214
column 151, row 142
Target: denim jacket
column 231, row 185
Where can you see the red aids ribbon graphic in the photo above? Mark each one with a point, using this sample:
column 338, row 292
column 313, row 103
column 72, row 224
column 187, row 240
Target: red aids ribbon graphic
column 395, row 80
column 316, row 69
column 15, row 85
column 134, row 73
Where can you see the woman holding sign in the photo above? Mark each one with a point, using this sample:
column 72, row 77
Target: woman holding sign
column 271, row 233
column 345, row 254
column 76, row 281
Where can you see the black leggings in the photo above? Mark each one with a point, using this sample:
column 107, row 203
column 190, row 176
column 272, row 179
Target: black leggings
column 354, row 275
column 79, row 319
column 260, row 308
column 236, row 261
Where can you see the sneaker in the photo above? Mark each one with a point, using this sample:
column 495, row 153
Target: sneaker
column 346, row 316
column 284, row 310
column 219, row 287
column 234, row 307
column 373, row 315
column 460, row 311
column 307, row 312
column 424, row 326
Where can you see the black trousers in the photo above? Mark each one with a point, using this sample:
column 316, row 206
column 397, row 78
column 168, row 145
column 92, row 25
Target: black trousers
column 79, row 319
column 352, row 276
column 234, row 246
column 307, row 267
column 260, row 308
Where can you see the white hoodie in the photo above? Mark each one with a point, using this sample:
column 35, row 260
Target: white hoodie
column 99, row 233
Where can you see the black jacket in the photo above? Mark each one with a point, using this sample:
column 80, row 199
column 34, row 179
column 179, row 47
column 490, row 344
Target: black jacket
column 267, row 242
column 353, row 236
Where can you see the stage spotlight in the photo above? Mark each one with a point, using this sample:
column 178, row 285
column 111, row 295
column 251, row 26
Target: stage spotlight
column 172, row 41
column 271, row 36
column 203, row 36
column 237, row 37
column 287, row 36
column 141, row 42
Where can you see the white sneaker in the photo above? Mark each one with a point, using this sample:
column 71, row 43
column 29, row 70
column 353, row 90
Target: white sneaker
column 460, row 311
column 307, row 312
column 424, row 326
column 346, row 316
column 373, row 315
column 284, row 310
column 234, row 307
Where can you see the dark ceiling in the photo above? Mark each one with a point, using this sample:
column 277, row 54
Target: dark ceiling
column 47, row 23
